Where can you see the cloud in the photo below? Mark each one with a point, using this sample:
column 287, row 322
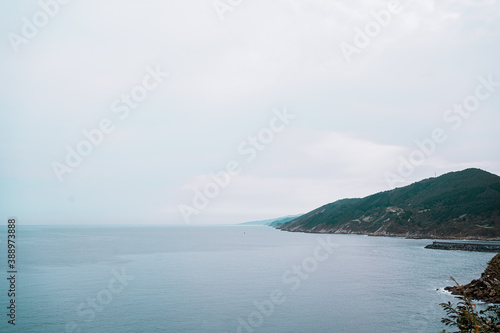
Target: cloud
column 353, row 120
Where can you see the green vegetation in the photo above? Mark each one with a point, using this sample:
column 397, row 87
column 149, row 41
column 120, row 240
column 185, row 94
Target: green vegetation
column 464, row 314
column 466, row 318
column 464, row 204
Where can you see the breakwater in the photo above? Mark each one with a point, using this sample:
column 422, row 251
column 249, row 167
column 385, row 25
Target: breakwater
column 477, row 247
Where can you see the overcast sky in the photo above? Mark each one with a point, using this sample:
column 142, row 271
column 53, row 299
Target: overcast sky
column 306, row 101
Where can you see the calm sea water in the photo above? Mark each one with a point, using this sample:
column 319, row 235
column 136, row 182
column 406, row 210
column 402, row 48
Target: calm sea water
column 227, row 279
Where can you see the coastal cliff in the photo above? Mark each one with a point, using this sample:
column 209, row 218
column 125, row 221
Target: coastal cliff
column 457, row 205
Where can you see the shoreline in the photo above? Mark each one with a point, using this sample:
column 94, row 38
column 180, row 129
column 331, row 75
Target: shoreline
column 406, row 235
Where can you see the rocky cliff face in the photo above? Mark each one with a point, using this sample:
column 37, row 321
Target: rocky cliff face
column 486, row 288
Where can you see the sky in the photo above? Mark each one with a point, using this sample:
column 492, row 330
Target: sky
column 227, row 111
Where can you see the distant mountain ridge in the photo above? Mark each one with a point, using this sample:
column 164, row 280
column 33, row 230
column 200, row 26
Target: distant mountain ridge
column 272, row 222
column 463, row 204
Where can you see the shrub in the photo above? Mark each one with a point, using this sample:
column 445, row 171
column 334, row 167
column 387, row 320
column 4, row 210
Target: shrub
column 466, row 318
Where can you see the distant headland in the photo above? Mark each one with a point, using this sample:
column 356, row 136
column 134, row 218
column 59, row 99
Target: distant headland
column 457, row 205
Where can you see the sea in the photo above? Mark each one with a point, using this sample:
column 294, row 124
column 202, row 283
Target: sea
column 224, row 279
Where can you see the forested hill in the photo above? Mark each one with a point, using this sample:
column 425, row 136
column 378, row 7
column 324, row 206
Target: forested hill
column 463, row 204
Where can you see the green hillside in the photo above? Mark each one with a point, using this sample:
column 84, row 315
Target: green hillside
column 464, row 204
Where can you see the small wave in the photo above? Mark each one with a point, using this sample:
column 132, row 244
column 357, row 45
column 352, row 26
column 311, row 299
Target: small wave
column 444, row 291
